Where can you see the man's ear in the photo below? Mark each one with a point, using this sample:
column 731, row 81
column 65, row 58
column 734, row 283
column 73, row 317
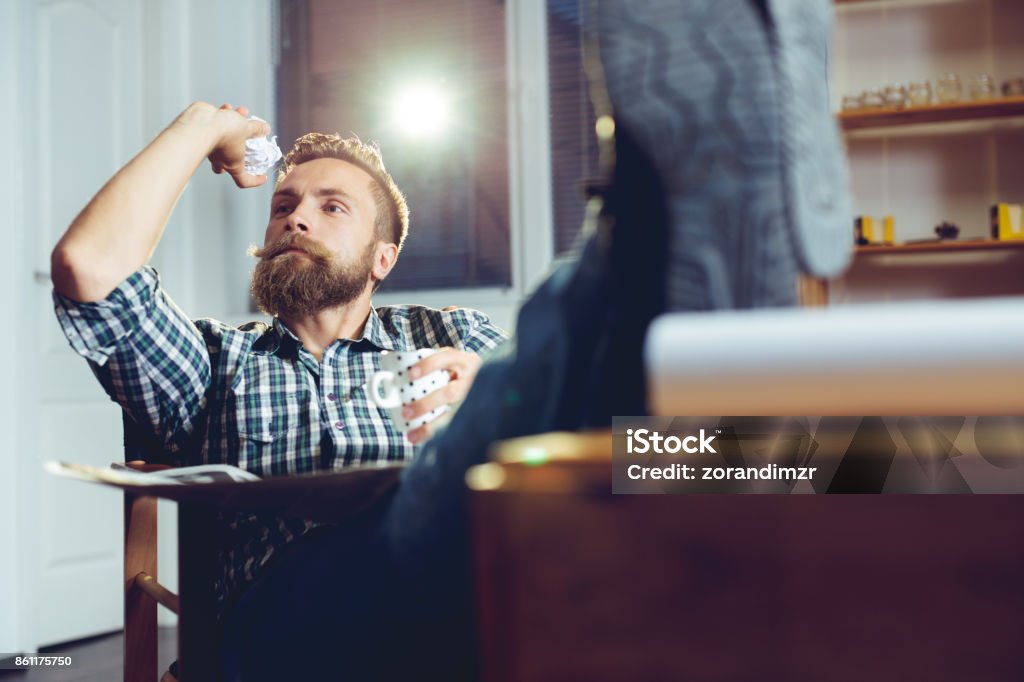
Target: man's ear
column 384, row 257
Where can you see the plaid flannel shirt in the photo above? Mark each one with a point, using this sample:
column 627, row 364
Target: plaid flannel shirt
column 253, row 396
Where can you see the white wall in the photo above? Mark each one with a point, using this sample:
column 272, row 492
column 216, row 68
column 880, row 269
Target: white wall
column 12, row 273
column 216, row 52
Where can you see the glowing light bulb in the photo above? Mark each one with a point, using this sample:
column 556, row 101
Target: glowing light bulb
column 421, row 111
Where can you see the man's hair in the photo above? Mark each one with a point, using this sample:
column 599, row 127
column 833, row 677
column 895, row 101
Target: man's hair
column 392, row 222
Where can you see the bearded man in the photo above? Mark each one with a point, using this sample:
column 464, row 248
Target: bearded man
column 277, row 399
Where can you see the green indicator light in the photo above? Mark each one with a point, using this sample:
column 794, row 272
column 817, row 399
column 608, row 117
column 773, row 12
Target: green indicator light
column 535, row 456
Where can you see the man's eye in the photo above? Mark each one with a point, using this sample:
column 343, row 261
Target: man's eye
column 282, row 209
column 335, row 208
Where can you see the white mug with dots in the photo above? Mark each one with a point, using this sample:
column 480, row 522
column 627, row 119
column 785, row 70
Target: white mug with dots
column 392, row 389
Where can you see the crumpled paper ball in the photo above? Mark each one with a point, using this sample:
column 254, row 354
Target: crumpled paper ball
column 261, row 153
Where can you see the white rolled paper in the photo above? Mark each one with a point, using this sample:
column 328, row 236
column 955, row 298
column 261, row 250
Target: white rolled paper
column 950, row 357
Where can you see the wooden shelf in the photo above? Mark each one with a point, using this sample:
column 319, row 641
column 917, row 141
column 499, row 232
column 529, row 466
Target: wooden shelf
column 1002, row 107
column 940, row 247
column 814, row 292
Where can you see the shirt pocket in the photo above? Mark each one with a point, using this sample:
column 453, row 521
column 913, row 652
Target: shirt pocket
column 272, row 421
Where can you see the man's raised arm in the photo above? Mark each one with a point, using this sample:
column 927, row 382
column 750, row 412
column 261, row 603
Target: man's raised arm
column 117, row 232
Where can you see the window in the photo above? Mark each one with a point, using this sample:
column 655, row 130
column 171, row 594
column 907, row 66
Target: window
column 427, row 81
column 573, row 143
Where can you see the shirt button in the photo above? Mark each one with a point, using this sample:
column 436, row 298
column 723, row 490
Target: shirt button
column 339, row 425
column 331, row 397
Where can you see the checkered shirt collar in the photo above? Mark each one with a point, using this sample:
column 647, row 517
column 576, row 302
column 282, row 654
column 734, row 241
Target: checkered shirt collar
column 279, row 337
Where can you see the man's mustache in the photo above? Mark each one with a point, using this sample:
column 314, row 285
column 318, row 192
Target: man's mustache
column 292, row 240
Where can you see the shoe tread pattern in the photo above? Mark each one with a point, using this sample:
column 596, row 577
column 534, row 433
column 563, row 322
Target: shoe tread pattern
column 697, row 84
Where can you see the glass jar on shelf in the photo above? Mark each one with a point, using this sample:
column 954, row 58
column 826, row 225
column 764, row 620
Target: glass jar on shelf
column 850, row 103
column 872, row 99
column 919, row 93
column 983, row 87
column 895, row 96
column 948, row 89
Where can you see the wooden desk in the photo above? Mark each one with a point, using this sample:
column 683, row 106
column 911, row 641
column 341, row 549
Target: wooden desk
column 577, row 584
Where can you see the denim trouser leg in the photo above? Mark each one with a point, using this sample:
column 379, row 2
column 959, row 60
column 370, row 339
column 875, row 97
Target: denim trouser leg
column 537, row 383
column 305, row 612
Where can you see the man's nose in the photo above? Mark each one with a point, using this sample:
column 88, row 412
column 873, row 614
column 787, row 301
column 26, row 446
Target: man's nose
column 295, row 224
column 297, row 221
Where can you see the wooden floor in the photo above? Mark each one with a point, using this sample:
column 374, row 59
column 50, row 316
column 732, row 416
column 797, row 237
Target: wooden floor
column 95, row 660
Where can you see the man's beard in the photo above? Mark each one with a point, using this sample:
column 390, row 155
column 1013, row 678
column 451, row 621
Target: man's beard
column 283, row 286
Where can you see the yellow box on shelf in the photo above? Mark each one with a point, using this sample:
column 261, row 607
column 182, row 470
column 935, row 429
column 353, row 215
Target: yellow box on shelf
column 864, row 230
column 1007, row 222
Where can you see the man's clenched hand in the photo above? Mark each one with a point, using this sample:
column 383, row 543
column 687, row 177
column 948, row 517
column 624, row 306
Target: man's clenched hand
column 229, row 127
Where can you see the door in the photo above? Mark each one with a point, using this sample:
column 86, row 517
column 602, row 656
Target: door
column 83, row 99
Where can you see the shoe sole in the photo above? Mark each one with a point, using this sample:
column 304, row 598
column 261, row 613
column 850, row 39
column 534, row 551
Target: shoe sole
column 699, row 87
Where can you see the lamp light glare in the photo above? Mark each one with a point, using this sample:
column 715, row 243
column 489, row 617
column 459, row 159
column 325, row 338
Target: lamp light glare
column 421, row 111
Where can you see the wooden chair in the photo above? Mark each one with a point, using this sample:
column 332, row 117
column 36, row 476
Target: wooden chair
column 340, row 497
column 142, row 592
column 195, row 604
column 197, row 553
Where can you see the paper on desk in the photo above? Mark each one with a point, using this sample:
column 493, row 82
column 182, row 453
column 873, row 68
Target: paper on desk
column 205, row 473
column 329, row 496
